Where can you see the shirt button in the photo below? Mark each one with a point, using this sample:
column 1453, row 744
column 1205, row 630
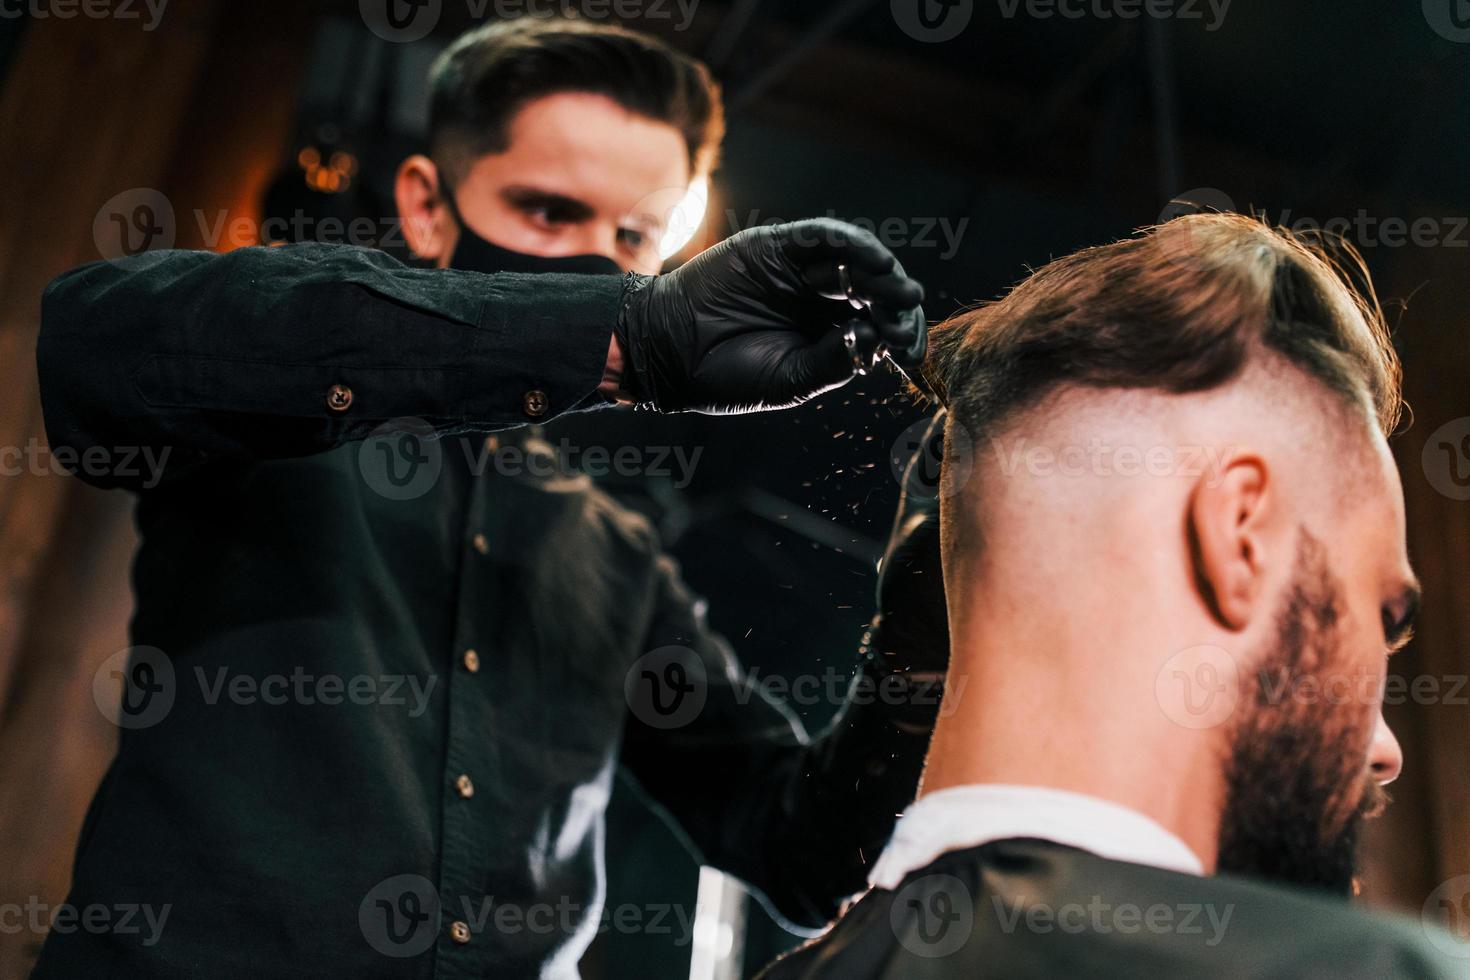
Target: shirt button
column 471, row 661
column 535, row 403
column 459, row 932
column 481, row 543
column 339, row 398
column 464, row 787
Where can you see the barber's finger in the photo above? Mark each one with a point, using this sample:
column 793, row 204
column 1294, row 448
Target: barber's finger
column 905, row 333
column 894, row 287
column 825, row 239
column 866, row 344
column 829, row 361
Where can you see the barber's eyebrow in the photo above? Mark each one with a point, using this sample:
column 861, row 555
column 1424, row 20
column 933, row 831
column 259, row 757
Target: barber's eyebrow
column 526, row 197
column 1399, row 615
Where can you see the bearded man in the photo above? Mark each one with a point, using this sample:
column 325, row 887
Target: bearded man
column 1172, row 538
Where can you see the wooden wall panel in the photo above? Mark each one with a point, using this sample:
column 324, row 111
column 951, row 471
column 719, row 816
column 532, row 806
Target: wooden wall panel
column 199, row 109
column 1435, row 340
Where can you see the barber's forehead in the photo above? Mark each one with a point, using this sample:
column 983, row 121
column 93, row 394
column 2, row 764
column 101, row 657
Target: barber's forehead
column 581, row 130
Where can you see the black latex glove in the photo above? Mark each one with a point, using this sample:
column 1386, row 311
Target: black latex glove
column 757, row 321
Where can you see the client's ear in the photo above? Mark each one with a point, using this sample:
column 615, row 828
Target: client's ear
column 1227, row 522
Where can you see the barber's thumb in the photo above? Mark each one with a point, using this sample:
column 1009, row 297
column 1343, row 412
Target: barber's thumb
column 828, row 363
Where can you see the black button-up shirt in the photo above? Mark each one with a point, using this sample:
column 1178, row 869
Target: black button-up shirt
column 384, row 668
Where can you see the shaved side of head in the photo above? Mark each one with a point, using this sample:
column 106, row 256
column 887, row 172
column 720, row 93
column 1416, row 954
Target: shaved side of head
column 1201, row 304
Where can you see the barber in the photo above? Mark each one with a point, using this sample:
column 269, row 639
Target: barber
column 381, row 838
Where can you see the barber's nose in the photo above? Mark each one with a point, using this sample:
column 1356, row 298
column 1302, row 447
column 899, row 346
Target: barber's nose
column 1385, row 757
column 601, row 238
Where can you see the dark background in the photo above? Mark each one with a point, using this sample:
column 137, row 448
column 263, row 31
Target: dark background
column 1027, row 136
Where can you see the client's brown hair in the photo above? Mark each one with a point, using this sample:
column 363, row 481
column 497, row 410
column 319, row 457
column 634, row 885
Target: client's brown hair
column 1178, row 308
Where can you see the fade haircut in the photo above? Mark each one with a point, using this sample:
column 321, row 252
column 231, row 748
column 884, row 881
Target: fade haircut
column 489, row 74
column 1181, row 307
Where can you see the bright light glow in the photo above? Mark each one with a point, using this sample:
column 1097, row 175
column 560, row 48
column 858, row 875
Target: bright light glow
column 684, row 219
column 719, row 928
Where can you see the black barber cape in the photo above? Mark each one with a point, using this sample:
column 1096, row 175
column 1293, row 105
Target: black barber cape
column 1034, row 910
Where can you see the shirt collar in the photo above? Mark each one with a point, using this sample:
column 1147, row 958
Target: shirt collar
column 968, row 816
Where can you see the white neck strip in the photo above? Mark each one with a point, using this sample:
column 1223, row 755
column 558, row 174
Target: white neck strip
column 968, row 816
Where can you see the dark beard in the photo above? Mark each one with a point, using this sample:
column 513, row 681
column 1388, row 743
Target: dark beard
column 1295, row 762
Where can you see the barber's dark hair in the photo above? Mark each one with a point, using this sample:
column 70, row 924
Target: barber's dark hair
column 490, row 73
column 1181, row 307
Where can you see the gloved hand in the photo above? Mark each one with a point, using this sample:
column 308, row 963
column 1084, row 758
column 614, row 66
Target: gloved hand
column 757, row 322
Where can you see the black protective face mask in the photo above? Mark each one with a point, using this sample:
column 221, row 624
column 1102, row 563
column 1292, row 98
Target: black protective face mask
column 476, row 254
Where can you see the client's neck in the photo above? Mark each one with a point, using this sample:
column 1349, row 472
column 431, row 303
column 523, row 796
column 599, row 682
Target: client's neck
column 1045, row 692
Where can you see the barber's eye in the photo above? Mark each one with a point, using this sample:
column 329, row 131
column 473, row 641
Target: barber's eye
column 633, row 238
column 548, row 214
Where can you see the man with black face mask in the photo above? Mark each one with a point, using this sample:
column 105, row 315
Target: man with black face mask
column 380, row 688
